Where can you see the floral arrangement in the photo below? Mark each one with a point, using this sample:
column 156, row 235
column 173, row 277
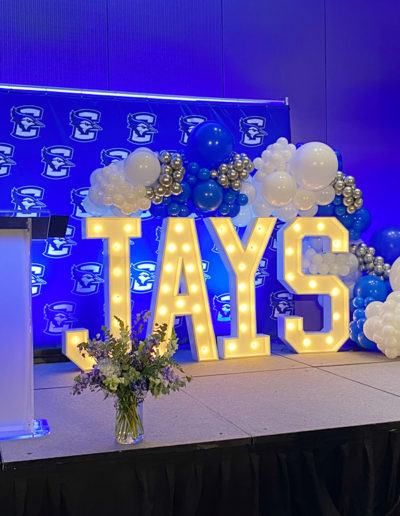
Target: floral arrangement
column 127, row 367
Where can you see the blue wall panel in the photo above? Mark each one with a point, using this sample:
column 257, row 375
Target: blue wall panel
column 166, row 47
column 276, row 49
column 363, row 103
column 54, row 43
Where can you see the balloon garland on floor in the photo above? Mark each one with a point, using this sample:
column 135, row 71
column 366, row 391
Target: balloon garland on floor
column 209, row 178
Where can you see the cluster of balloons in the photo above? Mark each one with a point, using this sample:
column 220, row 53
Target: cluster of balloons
column 367, row 291
column 344, row 265
column 368, row 261
column 382, row 324
column 294, row 182
column 345, row 186
column 121, row 186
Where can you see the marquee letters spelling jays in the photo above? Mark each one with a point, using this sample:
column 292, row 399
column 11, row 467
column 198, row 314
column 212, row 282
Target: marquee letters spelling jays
column 180, row 289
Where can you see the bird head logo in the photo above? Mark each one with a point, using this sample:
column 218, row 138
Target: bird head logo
column 222, row 305
column 108, row 156
column 86, row 277
column 57, row 161
column 59, row 316
column 27, row 201
column 252, row 129
column 85, row 125
column 141, row 127
column 282, row 303
column 27, row 122
column 6, row 161
column 60, row 247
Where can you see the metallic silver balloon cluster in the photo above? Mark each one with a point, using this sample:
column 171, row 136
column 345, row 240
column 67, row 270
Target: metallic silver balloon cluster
column 352, row 196
column 233, row 173
column 368, row 262
column 169, row 181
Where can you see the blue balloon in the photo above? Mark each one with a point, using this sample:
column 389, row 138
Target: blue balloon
column 193, row 168
column 339, row 158
column 224, row 209
column 360, row 323
column 354, row 331
column 337, row 201
column 242, row 199
column 365, row 343
column 370, row 286
column 326, row 211
column 173, row 209
column 340, row 210
column 354, row 234
column 230, row 197
column 235, row 208
column 184, row 211
column 358, row 302
column 210, row 144
column 203, row 174
column 362, row 219
column 359, row 313
column 191, row 179
column 346, row 219
column 207, row 196
column 387, row 243
column 185, row 194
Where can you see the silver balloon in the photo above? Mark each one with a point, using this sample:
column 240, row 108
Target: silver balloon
column 167, row 192
column 176, row 188
column 149, row 192
column 357, row 193
column 379, row 270
column 236, row 185
column 371, row 250
column 214, row 174
column 379, row 260
column 167, row 169
column 159, row 190
column 351, row 209
column 358, row 203
column 164, row 157
column 157, row 199
column 348, row 191
column 176, row 162
column 223, row 169
column 349, row 180
column 223, row 180
column 243, row 175
column 238, row 165
column 165, row 180
column 177, row 175
column 348, row 201
column 232, row 175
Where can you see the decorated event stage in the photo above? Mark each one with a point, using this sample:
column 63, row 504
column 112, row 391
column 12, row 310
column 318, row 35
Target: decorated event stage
column 202, row 218
column 281, row 435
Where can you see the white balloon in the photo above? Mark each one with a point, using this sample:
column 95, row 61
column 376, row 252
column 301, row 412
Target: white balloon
column 309, row 213
column 243, row 217
column 142, row 168
column 394, row 276
column 393, row 296
column 258, row 163
column 262, row 208
column 286, row 213
column 370, row 327
column 94, row 176
column 282, row 141
column 314, row 165
column 144, row 203
column 93, row 209
column 249, row 190
column 279, row 188
column 96, row 195
column 324, row 196
column 303, row 199
column 374, row 308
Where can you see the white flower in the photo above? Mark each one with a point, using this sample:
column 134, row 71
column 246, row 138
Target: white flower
column 106, row 367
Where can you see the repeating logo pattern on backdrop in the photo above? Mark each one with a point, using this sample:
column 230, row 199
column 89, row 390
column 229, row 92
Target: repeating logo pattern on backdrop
column 44, row 167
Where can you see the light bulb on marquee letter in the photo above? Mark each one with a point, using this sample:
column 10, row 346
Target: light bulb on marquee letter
column 336, row 311
column 242, row 258
column 179, row 264
column 116, row 232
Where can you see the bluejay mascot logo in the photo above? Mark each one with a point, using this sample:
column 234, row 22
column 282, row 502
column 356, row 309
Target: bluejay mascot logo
column 6, row 153
column 85, row 125
column 60, row 247
column 27, row 122
column 59, row 317
column 108, row 156
column 187, row 124
column 141, row 126
column 222, row 305
column 142, row 277
column 86, row 278
column 57, row 161
column 77, row 197
column 261, row 273
column 282, row 303
column 252, row 129
column 273, row 243
column 27, row 201
column 37, row 282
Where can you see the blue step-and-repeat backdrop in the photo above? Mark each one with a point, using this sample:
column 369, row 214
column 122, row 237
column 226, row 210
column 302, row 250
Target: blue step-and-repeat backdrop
column 51, row 141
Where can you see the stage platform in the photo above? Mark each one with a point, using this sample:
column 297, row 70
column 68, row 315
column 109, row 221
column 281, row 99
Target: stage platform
column 286, row 434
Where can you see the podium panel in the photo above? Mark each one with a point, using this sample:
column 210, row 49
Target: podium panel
column 16, row 352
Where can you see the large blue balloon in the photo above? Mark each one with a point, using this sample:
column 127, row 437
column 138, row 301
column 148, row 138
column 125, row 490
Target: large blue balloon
column 370, row 286
column 207, row 195
column 209, row 144
column 387, row 243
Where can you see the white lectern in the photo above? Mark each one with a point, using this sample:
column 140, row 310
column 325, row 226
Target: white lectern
column 16, row 350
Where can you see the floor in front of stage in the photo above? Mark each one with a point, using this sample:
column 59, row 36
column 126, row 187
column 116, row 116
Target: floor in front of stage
column 228, row 402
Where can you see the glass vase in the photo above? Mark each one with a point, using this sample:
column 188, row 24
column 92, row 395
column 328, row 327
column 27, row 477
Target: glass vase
column 129, row 421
